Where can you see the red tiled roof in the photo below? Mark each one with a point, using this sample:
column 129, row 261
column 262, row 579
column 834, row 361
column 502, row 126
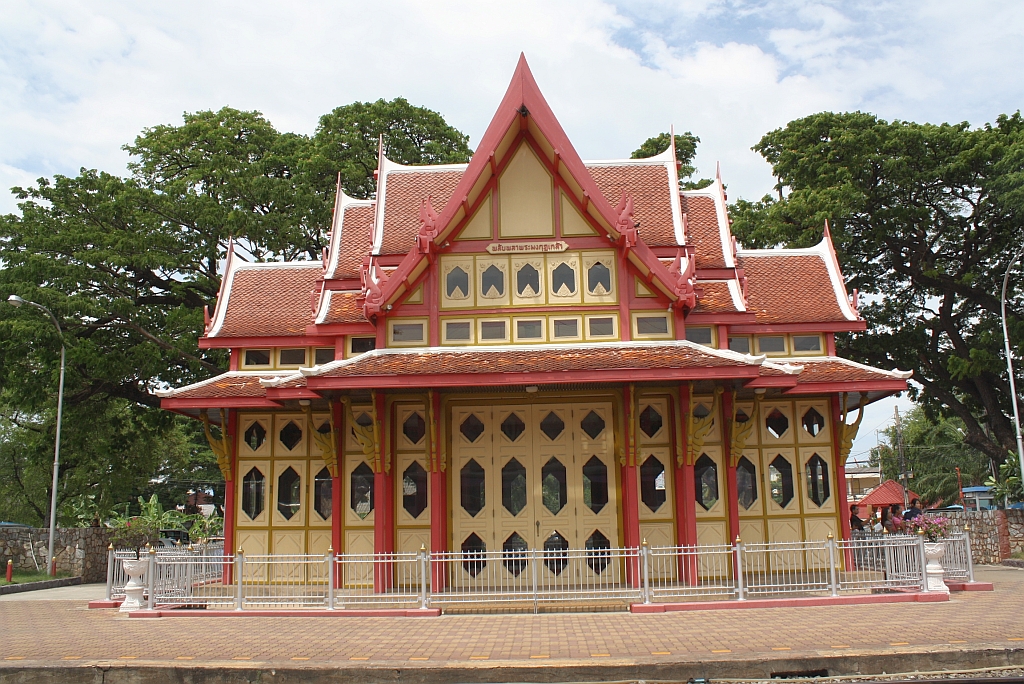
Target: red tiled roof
column 536, row 359
column 716, row 298
column 833, row 369
column 702, row 230
column 404, row 191
column 652, row 201
column 886, row 494
column 790, row 289
column 265, row 300
column 356, row 240
column 344, row 308
column 231, row 384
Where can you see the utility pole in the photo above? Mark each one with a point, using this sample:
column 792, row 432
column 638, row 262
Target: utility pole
column 902, row 460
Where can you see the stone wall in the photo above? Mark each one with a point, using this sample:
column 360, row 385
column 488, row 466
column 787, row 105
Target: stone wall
column 80, row 552
column 995, row 535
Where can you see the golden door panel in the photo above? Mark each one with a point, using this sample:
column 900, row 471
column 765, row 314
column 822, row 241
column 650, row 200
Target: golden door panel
column 321, row 500
column 411, row 427
column 750, row 492
column 253, row 493
column 752, row 531
column 818, row 480
column 288, row 494
column 514, row 471
column 290, row 436
column 254, row 435
column 781, row 479
column 318, row 542
column 776, row 423
column 556, row 515
column 653, row 421
column 252, row 542
column 410, row 540
column 816, row 529
column 655, row 482
column 596, row 496
column 359, row 541
column 357, row 498
column 784, row 530
column 713, row 534
column 288, row 543
column 659, row 534
column 472, row 471
column 709, row 484
column 814, row 422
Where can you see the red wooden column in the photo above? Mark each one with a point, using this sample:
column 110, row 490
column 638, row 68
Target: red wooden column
column 686, row 494
column 732, row 498
column 840, row 482
column 337, row 505
column 384, row 498
column 231, row 430
column 438, row 492
column 630, row 506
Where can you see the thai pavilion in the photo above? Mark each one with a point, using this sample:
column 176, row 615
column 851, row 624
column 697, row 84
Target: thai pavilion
column 531, row 351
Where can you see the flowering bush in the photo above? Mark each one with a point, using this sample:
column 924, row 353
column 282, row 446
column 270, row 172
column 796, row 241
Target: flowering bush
column 935, row 527
column 134, row 533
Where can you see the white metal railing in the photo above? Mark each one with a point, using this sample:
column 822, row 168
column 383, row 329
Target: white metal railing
column 205, row 577
column 957, row 563
column 117, row 577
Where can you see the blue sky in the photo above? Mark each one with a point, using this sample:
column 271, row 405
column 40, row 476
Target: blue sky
column 80, row 79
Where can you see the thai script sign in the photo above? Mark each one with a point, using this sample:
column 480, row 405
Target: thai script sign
column 526, row 247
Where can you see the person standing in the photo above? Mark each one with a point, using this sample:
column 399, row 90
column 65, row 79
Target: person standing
column 856, row 524
column 914, row 510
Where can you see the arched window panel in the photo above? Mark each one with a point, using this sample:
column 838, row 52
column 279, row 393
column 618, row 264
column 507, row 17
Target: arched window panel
column 457, row 275
column 598, row 276
column 492, row 281
column 528, row 280
column 564, row 279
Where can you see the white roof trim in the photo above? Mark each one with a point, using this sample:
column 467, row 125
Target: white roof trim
column 234, row 261
column 163, row 394
column 787, row 368
column 325, row 305
column 737, row 295
column 898, row 374
column 656, row 160
column 341, row 203
column 749, row 359
column 716, row 193
column 281, row 379
column 822, row 251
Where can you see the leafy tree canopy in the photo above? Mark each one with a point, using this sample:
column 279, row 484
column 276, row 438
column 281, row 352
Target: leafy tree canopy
column 127, row 264
column 925, row 219
column 686, row 150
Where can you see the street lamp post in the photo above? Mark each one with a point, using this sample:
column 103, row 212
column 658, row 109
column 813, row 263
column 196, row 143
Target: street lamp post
column 1009, row 365
column 15, row 300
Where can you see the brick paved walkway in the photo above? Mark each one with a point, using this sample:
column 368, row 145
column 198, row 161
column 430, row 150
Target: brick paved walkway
column 34, row 631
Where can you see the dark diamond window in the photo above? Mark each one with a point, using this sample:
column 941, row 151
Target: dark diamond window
column 528, row 281
column 513, row 487
column 652, row 483
column 599, row 279
column 492, row 282
column 598, row 551
column 813, row 422
column 289, row 491
column 817, row 480
column 592, row 424
column 290, row 435
column 364, row 420
column 474, row 558
column 780, row 479
column 650, row 421
column 701, row 411
column 556, row 552
column 414, row 427
column 595, row 484
column 414, row 490
column 563, row 280
column 741, row 416
column 553, row 488
column 705, row 472
column 325, row 428
column 255, row 436
column 552, row 426
column 512, row 427
column 471, row 481
column 777, row 423
column 457, row 283
column 513, row 554
column 471, row 428
column 253, row 492
column 323, row 487
column 361, row 491
column 746, row 483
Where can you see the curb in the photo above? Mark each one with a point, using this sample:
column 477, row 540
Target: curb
column 796, row 602
column 381, row 612
column 34, row 586
column 1013, row 563
column 277, row 672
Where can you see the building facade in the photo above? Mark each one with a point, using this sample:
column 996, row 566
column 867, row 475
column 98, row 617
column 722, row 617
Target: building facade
column 531, row 351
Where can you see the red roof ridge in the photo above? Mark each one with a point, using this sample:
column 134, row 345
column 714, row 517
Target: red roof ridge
column 899, row 374
column 888, row 493
column 716, row 193
column 341, row 203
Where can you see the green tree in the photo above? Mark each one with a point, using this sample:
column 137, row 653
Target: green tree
column 127, row 266
column 925, row 219
column 934, row 448
column 686, row 150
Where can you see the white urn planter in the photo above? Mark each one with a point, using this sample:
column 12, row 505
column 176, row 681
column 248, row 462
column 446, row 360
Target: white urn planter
column 933, row 553
column 134, row 589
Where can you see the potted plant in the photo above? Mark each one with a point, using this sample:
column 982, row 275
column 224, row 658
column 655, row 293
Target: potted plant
column 136, row 534
column 935, row 530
